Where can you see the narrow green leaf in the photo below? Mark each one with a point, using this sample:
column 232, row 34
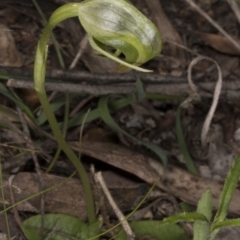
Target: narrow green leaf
column 17, row 101
column 182, row 144
column 9, row 113
column 140, row 90
column 227, row 223
column 227, row 192
column 55, row 43
column 226, row 196
column 152, row 230
column 54, row 106
column 187, row 217
column 64, row 131
column 95, row 113
column 205, row 204
column 107, row 118
column 201, row 229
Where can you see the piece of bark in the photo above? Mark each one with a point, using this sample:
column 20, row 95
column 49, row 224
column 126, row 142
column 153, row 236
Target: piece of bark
column 230, row 89
column 178, row 182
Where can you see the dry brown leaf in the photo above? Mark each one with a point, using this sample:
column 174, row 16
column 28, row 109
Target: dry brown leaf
column 219, row 43
column 177, row 182
column 98, row 135
column 10, row 56
column 68, row 198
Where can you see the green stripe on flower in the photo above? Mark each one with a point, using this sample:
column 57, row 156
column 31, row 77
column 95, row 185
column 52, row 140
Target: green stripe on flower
column 120, row 25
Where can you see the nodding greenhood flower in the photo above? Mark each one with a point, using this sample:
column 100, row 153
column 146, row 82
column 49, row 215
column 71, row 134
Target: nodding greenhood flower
column 117, row 23
column 114, row 23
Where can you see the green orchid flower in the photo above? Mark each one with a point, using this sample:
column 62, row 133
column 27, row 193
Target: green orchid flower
column 108, row 23
column 120, row 25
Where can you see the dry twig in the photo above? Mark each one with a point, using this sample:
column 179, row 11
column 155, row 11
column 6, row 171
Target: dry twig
column 114, row 206
column 214, row 23
column 233, row 4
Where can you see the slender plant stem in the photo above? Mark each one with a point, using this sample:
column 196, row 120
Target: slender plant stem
column 55, row 43
column 39, row 78
column 64, row 132
column 62, row 64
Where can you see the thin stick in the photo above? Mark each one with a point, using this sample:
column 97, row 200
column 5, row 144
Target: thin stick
column 82, row 47
column 114, row 206
column 235, row 7
column 214, row 23
column 230, row 88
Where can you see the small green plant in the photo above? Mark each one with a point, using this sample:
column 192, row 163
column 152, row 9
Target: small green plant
column 115, row 23
column 204, row 227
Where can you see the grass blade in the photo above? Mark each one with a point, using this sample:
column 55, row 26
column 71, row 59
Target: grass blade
column 227, row 192
column 183, row 146
column 140, row 90
column 186, row 216
column 107, row 118
column 227, row 223
column 17, row 101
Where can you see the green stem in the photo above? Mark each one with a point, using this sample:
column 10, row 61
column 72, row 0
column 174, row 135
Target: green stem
column 55, row 43
column 64, row 132
column 62, row 13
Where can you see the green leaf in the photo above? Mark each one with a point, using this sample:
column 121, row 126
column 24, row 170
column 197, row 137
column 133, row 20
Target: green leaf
column 227, row 223
column 187, row 217
column 17, row 101
column 107, row 118
column 9, row 113
column 58, row 227
column 140, row 90
column 228, row 189
column 54, row 106
column 154, row 230
column 182, row 144
column 201, row 229
column 226, row 196
column 95, row 113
